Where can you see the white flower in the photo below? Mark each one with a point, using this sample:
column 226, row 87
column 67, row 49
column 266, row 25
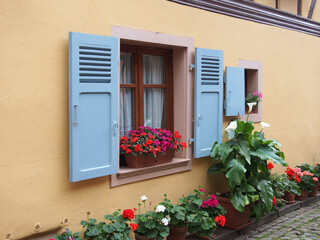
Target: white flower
column 160, row 208
column 263, row 125
column 250, row 105
column 231, row 126
column 165, row 221
column 143, row 198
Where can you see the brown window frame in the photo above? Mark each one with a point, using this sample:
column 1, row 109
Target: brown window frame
column 138, row 85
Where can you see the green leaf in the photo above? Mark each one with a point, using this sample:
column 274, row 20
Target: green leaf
column 266, row 193
column 150, row 225
column 207, row 223
column 108, row 228
column 237, row 201
column 225, row 149
column 243, row 147
column 247, row 188
column 245, row 128
column 214, row 153
column 216, row 168
column 266, row 153
column 235, row 171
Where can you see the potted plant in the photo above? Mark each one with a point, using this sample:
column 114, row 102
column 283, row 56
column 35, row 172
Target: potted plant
column 278, row 191
column 117, row 227
column 254, row 97
column 150, row 146
column 289, row 186
column 307, row 181
column 152, row 224
column 67, row 235
column 244, row 161
column 316, row 171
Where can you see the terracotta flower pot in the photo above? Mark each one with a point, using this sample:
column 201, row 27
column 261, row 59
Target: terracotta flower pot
column 141, row 161
column 177, row 233
column 139, row 237
column 314, row 191
column 290, row 198
column 303, row 196
column 235, row 220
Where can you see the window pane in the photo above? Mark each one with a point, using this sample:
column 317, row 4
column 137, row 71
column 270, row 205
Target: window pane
column 126, row 110
column 126, row 72
column 153, row 69
column 155, row 107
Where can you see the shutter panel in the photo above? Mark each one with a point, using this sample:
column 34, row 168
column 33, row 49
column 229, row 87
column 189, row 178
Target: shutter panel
column 208, row 107
column 93, row 106
column 234, row 85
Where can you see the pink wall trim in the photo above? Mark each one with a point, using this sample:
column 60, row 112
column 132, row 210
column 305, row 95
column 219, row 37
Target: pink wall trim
column 247, row 64
column 183, row 89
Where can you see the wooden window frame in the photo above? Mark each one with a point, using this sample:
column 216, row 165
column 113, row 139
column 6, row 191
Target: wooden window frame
column 138, row 85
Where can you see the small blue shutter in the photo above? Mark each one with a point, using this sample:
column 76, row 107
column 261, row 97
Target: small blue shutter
column 208, row 107
column 234, row 91
column 93, row 106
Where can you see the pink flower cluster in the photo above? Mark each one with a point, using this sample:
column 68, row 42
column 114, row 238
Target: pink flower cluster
column 257, row 94
column 212, row 202
column 305, row 173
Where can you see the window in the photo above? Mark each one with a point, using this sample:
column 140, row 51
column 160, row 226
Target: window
column 253, row 83
column 145, row 88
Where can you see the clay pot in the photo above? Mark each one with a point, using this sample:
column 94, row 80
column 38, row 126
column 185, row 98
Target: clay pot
column 141, row 161
column 303, row 196
column 177, row 233
column 314, row 191
column 235, row 220
column 290, row 198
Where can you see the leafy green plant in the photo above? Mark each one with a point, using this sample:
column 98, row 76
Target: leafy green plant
column 67, row 235
column 152, row 224
column 243, row 160
column 282, row 182
column 117, row 227
column 254, row 97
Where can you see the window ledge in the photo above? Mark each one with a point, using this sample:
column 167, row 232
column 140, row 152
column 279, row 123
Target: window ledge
column 129, row 175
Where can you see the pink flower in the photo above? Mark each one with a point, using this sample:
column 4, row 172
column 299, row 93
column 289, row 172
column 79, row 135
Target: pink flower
column 260, row 95
column 201, row 190
column 297, row 170
column 310, row 174
column 255, row 93
column 204, row 204
column 300, row 174
column 305, row 173
column 315, row 179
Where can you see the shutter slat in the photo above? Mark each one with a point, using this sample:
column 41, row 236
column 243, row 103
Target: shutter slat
column 208, row 100
column 93, row 106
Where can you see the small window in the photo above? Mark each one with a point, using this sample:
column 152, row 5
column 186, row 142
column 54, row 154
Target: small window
column 145, row 88
column 253, row 83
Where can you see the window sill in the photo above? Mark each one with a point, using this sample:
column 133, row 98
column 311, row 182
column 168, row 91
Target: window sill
column 128, row 175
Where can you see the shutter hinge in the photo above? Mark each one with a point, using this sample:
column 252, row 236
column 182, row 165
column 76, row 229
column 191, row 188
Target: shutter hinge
column 191, row 67
column 191, row 140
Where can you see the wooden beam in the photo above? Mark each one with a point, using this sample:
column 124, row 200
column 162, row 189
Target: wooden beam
column 299, row 7
column 277, row 4
column 311, row 9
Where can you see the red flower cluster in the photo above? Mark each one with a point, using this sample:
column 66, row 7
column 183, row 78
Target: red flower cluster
column 274, row 200
column 128, row 213
column 134, row 226
column 221, row 220
column 148, row 140
column 270, row 166
column 290, row 173
column 212, row 202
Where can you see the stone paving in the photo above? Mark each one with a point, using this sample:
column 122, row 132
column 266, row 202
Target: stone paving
column 303, row 223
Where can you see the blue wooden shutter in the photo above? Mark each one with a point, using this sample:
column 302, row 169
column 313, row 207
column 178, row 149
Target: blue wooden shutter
column 93, row 106
column 208, row 107
column 234, row 86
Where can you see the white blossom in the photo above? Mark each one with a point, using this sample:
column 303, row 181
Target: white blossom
column 264, row 124
column 250, row 105
column 143, row 198
column 160, row 208
column 165, row 221
column 231, row 126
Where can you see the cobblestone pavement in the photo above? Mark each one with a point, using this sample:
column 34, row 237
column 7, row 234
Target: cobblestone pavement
column 303, row 223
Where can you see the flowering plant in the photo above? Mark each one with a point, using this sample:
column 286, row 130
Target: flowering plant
column 117, row 227
column 254, row 97
column 244, row 161
column 67, row 235
column 315, row 169
column 283, row 184
column 149, row 141
column 212, row 206
column 307, row 179
column 152, row 224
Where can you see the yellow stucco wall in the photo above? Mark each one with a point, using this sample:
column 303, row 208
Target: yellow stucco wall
column 34, row 102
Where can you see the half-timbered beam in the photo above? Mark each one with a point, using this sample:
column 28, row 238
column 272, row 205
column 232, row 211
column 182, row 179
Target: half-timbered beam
column 299, row 7
column 311, row 9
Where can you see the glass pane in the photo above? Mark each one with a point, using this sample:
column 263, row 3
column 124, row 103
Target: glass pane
column 126, row 110
column 126, row 72
column 153, row 69
column 155, row 107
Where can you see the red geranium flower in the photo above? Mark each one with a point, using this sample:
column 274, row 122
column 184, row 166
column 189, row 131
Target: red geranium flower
column 270, row 165
column 128, row 213
column 221, row 220
column 297, row 179
column 290, row 173
column 134, row 226
column 273, row 200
